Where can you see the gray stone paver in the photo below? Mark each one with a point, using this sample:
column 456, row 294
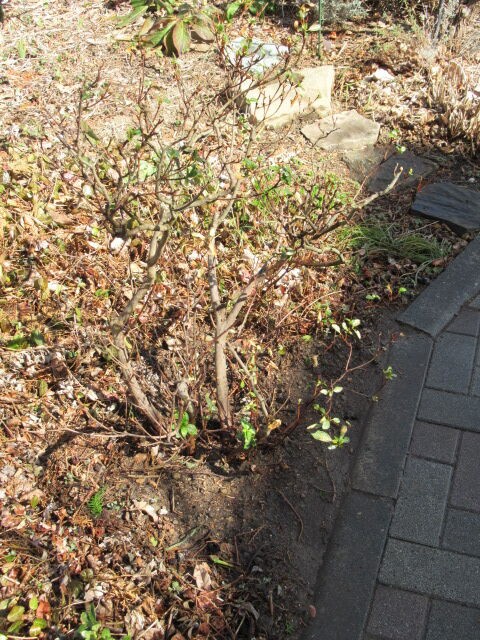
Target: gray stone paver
column 380, row 462
column 420, row 508
column 452, row 362
column 467, row 322
column 431, row 571
column 466, row 482
column 449, row 621
column 404, row 563
column 397, row 615
column 450, row 409
column 462, row 532
column 475, row 389
column 434, row 441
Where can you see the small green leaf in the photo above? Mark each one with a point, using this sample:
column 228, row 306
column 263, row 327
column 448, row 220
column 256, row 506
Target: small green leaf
column 22, row 49
column 17, row 343
column 36, row 339
column 42, row 388
column 33, row 603
column 15, row 627
column 38, row 625
column 15, row 613
column 323, row 436
column 222, row 563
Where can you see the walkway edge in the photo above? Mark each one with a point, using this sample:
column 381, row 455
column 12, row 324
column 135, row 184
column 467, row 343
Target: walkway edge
column 436, row 306
column 347, row 580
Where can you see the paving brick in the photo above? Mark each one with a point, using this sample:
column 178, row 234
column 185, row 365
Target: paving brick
column 448, row 621
column 452, row 362
column 466, row 482
column 441, row 300
column 450, row 409
column 467, row 322
column 398, row 615
column 475, row 390
column 434, row 572
column 475, row 303
column 347, row 579
column 382, row 454
column 462, row 532
column 422, row 502
column 434, row 441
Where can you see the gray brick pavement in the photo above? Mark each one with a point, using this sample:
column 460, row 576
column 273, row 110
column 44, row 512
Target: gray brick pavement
column 398, row 615
column 434, row 441
column 452, row 362
column 420, row 508
column 404, row 562
column 466, row 482
column 462, row 532
column 449, row 621
column 431, row 571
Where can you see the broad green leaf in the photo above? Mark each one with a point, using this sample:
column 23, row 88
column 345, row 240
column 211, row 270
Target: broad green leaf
column 146, row 26
column 232, row 9
column 133, row 15
column 203, row 32
column 159, row 36
column 181, row 38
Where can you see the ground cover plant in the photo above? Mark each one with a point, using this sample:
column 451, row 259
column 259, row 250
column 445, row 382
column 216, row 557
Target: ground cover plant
column 194, row 311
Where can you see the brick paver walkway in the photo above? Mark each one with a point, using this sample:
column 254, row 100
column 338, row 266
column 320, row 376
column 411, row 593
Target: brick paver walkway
column 404, row 560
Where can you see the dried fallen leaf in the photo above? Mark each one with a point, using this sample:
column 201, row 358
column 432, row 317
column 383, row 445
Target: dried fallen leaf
column 201, row 573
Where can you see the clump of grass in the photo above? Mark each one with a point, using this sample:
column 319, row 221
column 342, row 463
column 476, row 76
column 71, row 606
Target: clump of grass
column 380, row 240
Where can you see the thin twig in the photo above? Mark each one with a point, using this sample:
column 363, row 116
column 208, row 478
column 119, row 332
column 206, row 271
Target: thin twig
column 300, row 534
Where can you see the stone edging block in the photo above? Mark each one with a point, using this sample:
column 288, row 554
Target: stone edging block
column 436, row 306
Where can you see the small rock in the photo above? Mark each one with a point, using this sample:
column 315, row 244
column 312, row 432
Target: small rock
column 279, row 102
column 256, row 55
column 363, row 162
column 380, row 75
column 342, row 131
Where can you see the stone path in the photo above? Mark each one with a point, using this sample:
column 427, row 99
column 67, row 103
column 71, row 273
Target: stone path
column 404, row 559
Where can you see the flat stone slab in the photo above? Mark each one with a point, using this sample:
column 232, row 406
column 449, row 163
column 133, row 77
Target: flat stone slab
column 458, row 207
column 280, row 102
column 364, row 162
column 414, row 169
column 342, row 131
